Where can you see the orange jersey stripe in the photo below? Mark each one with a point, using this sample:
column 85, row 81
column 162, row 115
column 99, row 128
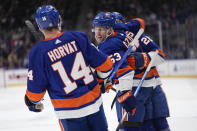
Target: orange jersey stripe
column 54, row 37
column 35, row 96
column 77, row 102
column 107, row 65
column 123, row 70
column 151, row 73
column 155, row 72
column 161, row 53
column 142, row 25
column 114, row 34
column 61, row 127
column 124, row 111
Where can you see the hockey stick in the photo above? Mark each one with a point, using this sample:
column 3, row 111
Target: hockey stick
column 113, row 89
column 125, row 54
column 139, row 86
column 37, row 35
column 122, row 60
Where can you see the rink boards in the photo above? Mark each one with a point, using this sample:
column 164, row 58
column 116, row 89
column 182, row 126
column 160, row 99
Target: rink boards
column 169, row 69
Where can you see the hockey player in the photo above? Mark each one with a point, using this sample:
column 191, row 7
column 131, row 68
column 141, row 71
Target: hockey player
column 136, row 122
column 115, row 44
column 156, row 106
column 60, row 65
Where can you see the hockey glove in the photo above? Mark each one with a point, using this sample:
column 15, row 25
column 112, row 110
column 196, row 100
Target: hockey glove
column 35, row 107
column 138, row 60
column 128, row 101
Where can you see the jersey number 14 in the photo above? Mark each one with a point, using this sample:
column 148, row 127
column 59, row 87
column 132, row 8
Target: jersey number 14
column 79, row 71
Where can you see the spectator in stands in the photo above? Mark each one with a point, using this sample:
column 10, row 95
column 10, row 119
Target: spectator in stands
column 172, row 14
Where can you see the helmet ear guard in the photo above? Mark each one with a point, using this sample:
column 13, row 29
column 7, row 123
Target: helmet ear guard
column 60, row 22
column 47, row 16
column 109, row 32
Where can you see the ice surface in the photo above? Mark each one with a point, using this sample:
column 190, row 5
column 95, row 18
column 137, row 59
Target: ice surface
column 14, row 115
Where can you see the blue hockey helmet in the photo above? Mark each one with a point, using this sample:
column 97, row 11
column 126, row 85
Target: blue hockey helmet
column 118, row 17
column 103, row 19
column 47, row 16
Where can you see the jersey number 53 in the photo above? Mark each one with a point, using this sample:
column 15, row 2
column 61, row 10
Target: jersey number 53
column 115, row 57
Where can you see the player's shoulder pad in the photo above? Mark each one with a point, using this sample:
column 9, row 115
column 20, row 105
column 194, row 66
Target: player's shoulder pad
column 77, row 33
column 121, row 35
column 115, row 40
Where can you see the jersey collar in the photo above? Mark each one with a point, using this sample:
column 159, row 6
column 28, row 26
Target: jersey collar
column 114, row 34
column 53, row 37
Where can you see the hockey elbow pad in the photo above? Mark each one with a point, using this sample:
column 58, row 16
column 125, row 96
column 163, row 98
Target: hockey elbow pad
column 35, row 107
column 128, row 101
column 138, row 60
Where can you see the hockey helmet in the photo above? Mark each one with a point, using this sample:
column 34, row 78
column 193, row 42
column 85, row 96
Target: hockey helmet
column 103, row 19
column 118, row 17
column 47, row 16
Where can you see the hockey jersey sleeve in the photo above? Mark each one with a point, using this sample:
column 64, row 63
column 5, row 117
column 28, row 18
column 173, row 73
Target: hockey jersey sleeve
column 37, row 80
column 135, row 24
column 148, row 46
column 98, row 60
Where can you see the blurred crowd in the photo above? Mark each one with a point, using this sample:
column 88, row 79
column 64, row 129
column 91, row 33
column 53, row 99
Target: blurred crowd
column 178, row 19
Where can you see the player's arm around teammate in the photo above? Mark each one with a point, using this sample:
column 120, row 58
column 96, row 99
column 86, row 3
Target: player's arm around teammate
column 115, row 44
column 139, row 60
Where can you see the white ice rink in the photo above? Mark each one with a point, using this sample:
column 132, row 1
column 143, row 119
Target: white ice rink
column 14, row 115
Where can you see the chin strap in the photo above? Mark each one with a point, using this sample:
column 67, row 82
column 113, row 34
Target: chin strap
column 109, row 33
